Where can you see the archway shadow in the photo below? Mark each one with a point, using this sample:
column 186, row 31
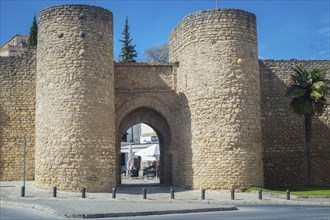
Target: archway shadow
column 136, row 189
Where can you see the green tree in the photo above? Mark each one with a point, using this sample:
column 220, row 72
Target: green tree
column 308, row 91
column 33, row 39
column 158, row 54
column 128, row 53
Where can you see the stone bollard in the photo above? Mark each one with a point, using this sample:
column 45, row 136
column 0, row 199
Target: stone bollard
column 172, row 193
column 260, row 194
column 232, row 194
column 114, row 192
column 287, row 194
column 54, row 191
column 144, row 192
column 23, row 191
column 202, row 194
column 83, row 193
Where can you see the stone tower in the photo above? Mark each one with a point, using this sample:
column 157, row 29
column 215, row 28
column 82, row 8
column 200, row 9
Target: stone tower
column 75, row 119
column 218, row 74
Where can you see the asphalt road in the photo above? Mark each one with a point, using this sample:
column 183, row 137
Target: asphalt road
column 253, row 212
column 16, row 213
column 267, row 212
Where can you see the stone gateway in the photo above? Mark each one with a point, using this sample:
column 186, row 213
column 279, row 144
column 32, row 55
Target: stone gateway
column 220, row 113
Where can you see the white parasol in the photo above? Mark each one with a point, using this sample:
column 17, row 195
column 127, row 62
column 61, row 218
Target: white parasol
column 150, row 153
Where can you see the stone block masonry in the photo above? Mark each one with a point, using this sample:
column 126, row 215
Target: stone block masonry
column 283, row 132
column 222, row 118
column 145, row 77
column 17, row 115
column 75, row 107
column 145, row 92
column 218, row 73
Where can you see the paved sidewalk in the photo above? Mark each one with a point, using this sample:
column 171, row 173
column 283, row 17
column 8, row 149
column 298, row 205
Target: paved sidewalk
column 129, row 200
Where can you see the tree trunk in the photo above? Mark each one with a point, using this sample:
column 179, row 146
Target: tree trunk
column 308, row 137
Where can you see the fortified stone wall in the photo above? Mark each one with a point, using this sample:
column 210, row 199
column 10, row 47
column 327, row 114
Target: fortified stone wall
column 283, row 135
column 145, row 93
column 218, row 75
column 144, row 85
column 17, row 115
column 145, row 76
column 75, row 105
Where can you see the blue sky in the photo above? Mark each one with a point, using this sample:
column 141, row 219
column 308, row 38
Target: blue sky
column 286, row 29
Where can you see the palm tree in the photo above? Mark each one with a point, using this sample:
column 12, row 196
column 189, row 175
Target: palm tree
column 308, row 89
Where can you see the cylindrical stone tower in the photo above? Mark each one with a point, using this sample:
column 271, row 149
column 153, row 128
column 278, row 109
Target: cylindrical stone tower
column 218, row 74
column 75, row 119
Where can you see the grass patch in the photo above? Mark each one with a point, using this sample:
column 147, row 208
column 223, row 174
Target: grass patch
column 296, row 190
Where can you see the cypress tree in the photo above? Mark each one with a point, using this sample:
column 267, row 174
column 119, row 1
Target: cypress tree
column 128, row 53
column 33, row 39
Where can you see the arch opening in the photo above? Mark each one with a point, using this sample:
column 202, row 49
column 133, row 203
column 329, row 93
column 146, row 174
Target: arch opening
column 159, row 124
column 140, row 155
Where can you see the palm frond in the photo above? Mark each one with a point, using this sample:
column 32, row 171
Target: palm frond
column 299, row 80
column 309, row 88
column 315, row 95
column 301, row 106
column 295, row 90
column 317, row 74
column 301, row 76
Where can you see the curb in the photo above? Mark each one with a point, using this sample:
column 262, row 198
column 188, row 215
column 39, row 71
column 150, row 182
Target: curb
column 266, row 201
column 231, row 207
column 283, row 195
column 118, row 214
column 132, row 214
